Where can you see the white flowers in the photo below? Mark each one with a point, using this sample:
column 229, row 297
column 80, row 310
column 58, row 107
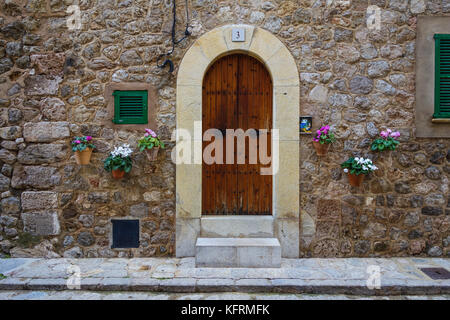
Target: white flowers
column 123, row 151
column 346, row 170
column 366, row 164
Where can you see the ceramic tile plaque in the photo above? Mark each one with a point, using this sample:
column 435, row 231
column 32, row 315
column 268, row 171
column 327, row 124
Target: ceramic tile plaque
column 238, row 35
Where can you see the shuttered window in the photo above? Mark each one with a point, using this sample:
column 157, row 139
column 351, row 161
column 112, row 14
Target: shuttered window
column 442, row 76
column 130, row 107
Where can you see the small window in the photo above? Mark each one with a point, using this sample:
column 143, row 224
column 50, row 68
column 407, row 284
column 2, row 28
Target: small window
column 125, row 233
column 130, row 107
column 442, row 76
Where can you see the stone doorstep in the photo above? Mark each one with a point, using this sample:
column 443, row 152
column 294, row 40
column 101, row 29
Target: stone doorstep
column 191, row 285
column 240, row 242
column 237, row 227
column 238, row 252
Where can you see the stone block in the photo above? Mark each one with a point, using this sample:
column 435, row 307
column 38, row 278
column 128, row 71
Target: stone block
column 139, row 210
column 283, row 68
column 35, row 177
column 308, row 226
column 187, row 231
column 43, row 153
column 7, row 156
column 43, row 223
column 219, row 47
column 4, row 183
column 10, row 205
column 45, row 131
column 189, row 190
column 10, row 133
column 287, row 231
column 49, row 64
column 39, row 200
column 264, row 43
column 286, row 181
column 41, row 85
column 53, row 109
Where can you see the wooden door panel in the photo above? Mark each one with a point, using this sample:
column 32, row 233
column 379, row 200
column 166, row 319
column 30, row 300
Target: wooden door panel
column 237, row 93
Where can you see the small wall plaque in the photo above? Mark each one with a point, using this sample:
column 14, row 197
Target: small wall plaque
column 238, row 35
column 305, row 125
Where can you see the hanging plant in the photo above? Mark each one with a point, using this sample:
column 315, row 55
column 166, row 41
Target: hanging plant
column 357, row 169
column 388, row 141
column 119, row 161
column 82, row 146
column 322, row 140
column 150, row 144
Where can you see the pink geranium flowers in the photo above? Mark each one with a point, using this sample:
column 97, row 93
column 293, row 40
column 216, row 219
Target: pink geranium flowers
column 388, row 141
column 81, row 143
column 149, row 140
column 324, row 135
column 150, row 132
column 388, row 133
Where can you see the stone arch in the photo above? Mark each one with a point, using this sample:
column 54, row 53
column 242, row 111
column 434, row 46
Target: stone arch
column 267, row 48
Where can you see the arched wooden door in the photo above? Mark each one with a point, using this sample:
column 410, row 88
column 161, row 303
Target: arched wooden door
column 237, row 93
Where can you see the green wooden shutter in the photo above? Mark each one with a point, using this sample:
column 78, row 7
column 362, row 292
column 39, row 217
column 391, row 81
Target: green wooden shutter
column 442, row 76
column 130, row 107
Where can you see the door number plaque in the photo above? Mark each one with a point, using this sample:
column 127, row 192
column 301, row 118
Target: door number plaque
column 238, row 35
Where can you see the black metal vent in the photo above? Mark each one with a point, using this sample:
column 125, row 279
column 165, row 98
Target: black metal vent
column 436, row 273
column 125, row 233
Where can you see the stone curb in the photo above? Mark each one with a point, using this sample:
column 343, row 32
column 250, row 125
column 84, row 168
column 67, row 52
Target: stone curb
column 191, row 285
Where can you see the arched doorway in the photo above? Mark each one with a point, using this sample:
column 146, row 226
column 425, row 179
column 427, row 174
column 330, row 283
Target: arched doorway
column 237, row 93
column 208, row 48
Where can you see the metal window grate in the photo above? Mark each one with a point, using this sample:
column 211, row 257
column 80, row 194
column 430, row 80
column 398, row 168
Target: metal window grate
column 436, row 273
column 125, row 233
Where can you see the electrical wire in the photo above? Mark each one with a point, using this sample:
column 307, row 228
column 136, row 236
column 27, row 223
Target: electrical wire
column 187, row 33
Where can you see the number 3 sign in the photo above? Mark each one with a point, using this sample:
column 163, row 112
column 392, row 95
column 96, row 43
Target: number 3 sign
column 238, row 34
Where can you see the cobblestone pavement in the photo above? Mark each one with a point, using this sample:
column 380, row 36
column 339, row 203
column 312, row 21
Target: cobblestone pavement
column 398, row 276
column 121, row 295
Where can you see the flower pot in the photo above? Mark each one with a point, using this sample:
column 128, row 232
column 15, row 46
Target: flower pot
column 83, row 157
column 118, row 174
column 321, row 149
column 152, row 154
column 355, row 180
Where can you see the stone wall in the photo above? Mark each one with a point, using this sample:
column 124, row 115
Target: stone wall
column 52, row 84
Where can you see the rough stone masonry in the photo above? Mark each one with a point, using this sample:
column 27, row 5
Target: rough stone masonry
column 359, row 81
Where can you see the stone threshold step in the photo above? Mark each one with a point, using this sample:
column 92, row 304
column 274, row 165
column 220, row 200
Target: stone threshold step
column 238, row 253
column 238, row 242
column 191, row 285
column 236, row 227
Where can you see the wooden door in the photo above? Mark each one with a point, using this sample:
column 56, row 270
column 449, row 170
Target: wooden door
column 237, row 93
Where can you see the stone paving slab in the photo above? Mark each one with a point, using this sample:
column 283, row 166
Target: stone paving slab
column 399, row 276
column 105, row 295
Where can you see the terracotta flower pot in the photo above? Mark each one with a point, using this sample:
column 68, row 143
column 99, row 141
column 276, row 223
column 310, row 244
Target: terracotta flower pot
column 321, row 149
column 83, row 157
column 355, row 180
column 118, row 174
column 152, row 154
